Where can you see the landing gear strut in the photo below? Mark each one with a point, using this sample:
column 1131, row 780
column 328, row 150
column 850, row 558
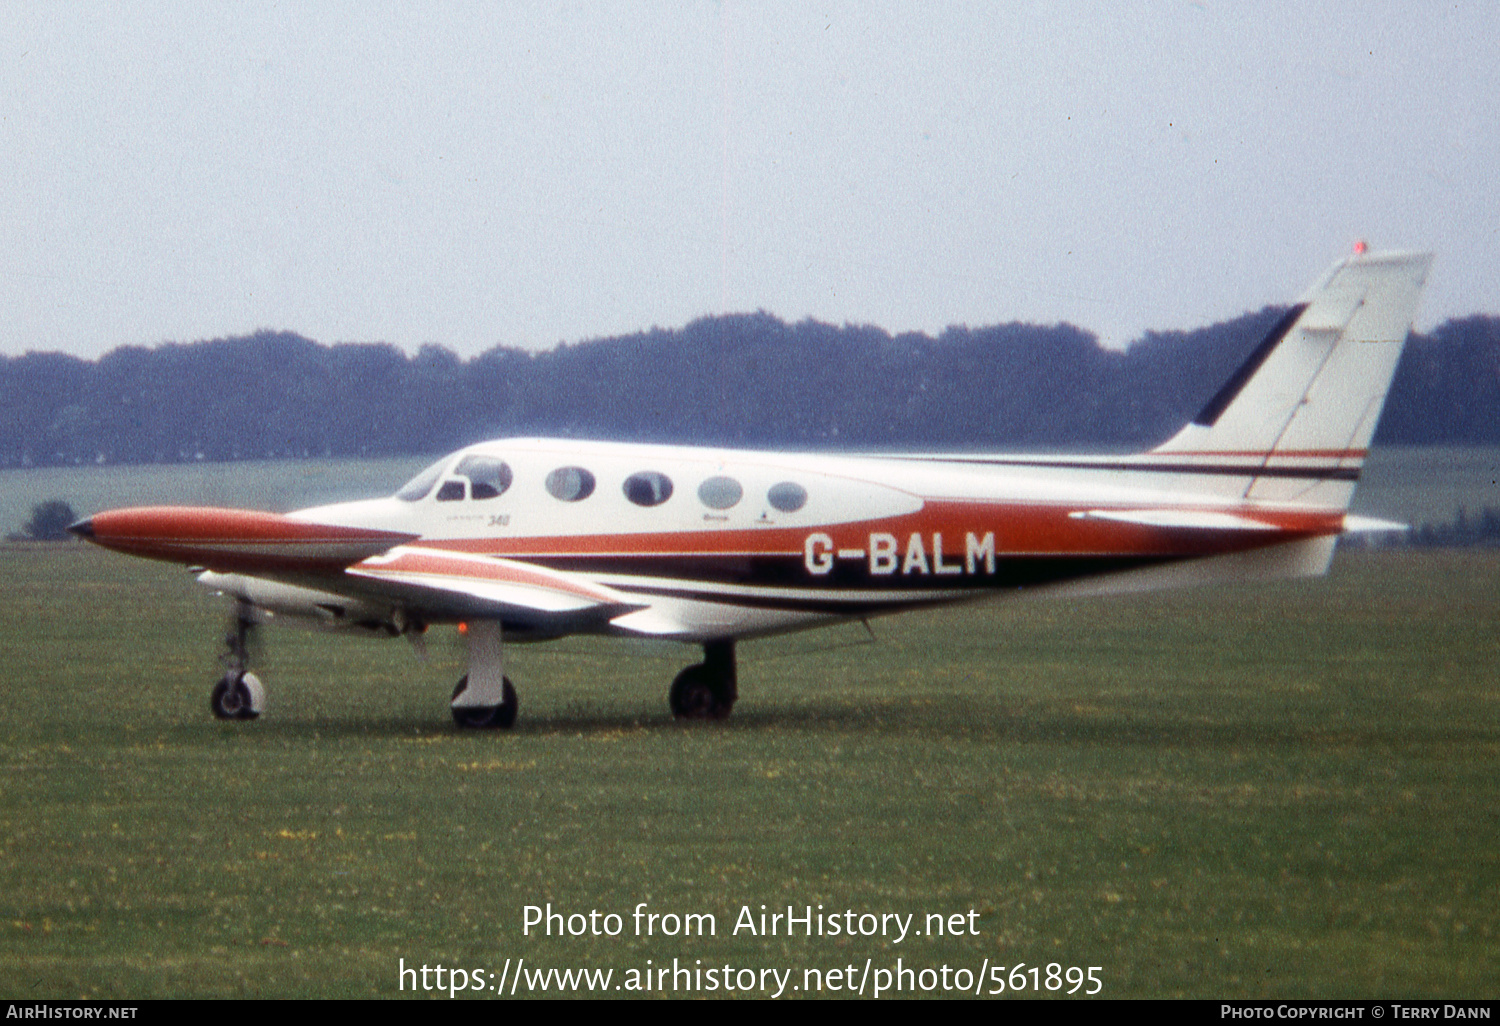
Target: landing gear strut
column 707, row 690
column 485, row 698
column 238, row 694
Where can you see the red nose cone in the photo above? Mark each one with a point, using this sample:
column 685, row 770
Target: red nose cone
column 233, row 539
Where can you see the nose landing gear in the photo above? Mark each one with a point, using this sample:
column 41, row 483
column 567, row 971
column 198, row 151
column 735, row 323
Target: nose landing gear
column 238, row 695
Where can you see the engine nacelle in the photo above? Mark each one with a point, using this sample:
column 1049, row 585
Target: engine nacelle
column 309, row 608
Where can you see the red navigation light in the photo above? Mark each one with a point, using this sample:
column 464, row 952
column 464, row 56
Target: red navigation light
column 1360, row 247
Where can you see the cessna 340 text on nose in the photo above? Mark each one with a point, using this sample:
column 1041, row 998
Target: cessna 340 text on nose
column 532, row 539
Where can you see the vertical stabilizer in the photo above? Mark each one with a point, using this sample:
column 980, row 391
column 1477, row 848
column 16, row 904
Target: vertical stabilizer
column 1300, row 412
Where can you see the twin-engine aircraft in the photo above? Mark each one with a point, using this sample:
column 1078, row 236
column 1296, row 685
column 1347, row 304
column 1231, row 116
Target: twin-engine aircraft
column 529, row 539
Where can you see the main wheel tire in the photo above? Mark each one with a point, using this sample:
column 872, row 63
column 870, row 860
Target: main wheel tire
column 697, row 695
column 237, row 697
column 487, row 717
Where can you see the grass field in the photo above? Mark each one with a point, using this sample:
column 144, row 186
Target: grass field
column 1277, row 790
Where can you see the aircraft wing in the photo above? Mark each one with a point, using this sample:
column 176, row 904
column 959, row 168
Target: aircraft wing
column 459, row 585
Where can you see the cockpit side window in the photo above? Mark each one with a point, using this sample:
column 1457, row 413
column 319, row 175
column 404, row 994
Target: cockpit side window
column 451, row 491
column 488, row 476
column 417, row 488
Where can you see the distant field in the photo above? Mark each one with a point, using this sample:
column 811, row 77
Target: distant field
column 1276, row 790
column 1414, row 485
column 277, row 485
column 1428, row 485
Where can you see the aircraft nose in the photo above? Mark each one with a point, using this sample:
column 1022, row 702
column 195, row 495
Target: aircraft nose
column 83, row 528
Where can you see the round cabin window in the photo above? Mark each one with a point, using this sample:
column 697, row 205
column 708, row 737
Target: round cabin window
column 788, row 496
column 570, row 484
column 720, row 492
column 648, row 488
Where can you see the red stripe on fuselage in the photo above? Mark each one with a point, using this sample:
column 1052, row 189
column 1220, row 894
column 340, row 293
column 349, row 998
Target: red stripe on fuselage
column 1019, row 529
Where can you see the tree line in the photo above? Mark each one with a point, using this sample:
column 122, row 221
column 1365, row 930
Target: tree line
column 741, row 380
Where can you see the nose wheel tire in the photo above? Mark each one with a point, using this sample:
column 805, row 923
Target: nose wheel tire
column 486, row 717
column 237, row 697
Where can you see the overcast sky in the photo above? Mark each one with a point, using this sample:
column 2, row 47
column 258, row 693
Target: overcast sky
column 474, row 175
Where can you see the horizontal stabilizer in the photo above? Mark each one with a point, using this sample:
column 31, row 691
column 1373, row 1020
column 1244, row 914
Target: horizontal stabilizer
column 1371, row 525
column 461, row 585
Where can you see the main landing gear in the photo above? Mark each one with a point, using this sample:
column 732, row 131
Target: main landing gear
column 238, row 695
column 485, row 698
column 706, row 690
